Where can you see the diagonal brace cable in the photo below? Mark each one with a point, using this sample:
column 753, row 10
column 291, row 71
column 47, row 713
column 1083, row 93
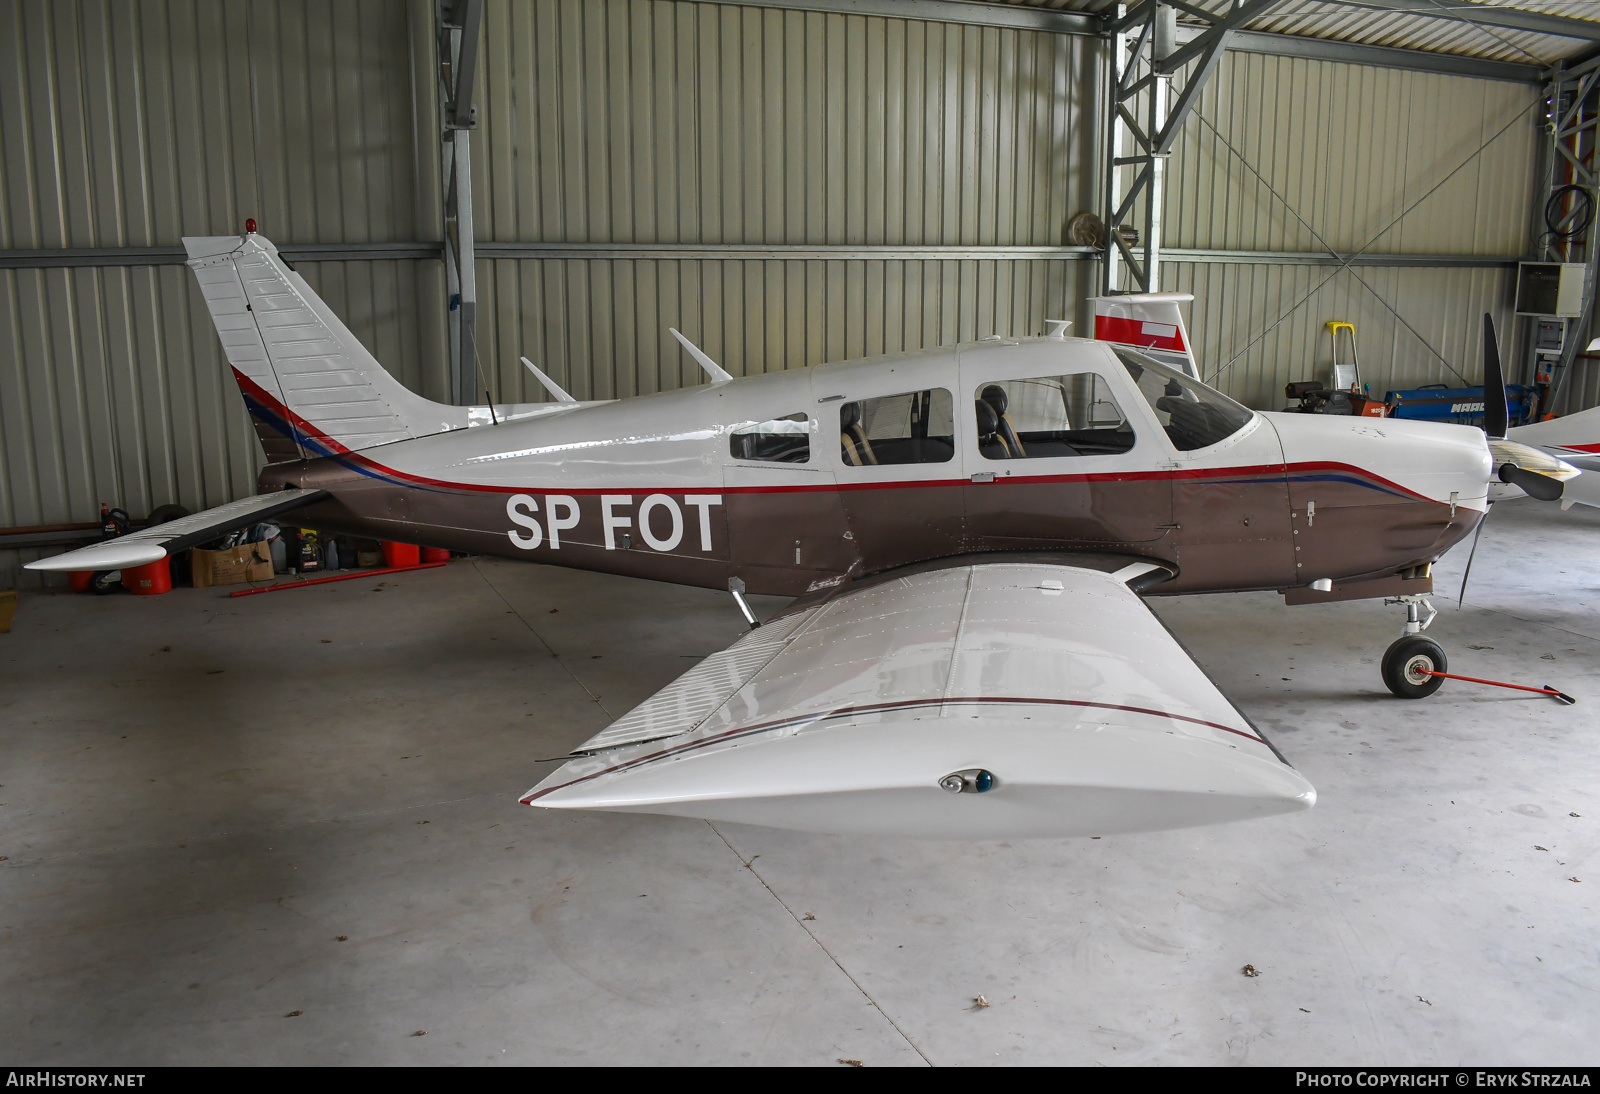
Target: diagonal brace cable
column 1351, row 258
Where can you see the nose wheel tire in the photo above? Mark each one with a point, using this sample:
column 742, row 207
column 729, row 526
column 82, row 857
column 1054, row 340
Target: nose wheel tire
column 1406, row 665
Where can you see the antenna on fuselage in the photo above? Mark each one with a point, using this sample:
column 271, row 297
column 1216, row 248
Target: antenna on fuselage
column 549, row 385
column 713, row 370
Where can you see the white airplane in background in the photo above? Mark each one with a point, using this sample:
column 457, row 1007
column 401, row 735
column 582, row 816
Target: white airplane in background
column 1575, row 440
column 968, row 532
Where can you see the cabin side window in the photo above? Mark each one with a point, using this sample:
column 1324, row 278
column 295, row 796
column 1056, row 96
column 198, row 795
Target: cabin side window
column 916, row 427
column 776, row 440
column 1046, row 416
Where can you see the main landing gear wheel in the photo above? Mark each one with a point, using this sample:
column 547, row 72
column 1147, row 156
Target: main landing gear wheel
column 1406, row 665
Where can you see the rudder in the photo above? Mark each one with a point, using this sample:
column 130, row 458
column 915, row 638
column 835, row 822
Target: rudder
column 1151, row 322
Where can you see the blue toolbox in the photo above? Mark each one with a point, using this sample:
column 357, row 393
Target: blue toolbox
column 1462, row 405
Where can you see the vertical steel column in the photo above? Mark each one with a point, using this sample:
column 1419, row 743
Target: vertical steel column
column 1148, row 68
column 1573, row 124
column 457, row 29
column 1128, row 148
column 1543, row 176
column 1119, row 64
column 1163, row 34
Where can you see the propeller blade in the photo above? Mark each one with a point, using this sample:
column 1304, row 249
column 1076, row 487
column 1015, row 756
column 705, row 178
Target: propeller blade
column 1461, row 597
column 1533, row 484
column 1496, row 417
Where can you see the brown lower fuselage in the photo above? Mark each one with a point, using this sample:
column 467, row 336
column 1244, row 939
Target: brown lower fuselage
column 1219, row 529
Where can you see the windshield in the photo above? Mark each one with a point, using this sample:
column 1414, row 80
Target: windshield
column 1193, row 414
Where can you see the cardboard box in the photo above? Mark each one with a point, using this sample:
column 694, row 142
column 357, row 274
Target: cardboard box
column 233, row 566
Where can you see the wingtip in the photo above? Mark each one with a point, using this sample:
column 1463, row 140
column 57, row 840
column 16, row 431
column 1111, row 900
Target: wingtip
column 104, row 558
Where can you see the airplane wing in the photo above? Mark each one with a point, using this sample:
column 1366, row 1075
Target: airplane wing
column 154, row 544
column 985, row 701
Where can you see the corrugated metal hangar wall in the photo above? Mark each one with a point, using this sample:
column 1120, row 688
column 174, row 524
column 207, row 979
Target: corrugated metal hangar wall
column 646, row 163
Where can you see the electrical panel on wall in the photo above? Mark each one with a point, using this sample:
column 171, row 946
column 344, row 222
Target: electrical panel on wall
column 1550, row 288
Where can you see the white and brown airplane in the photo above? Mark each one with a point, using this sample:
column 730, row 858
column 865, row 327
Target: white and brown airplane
column 968, row 532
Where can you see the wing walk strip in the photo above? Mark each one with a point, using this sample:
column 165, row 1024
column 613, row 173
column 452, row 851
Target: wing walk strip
column 877, row 708
column 685, row 704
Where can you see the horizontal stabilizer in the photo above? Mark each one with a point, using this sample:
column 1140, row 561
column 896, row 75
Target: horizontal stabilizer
column 994, row 700
column 155, row 544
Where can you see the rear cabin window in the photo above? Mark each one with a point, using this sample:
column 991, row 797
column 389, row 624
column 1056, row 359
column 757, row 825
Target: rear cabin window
column 917, row 427
column 776, row 440
column 1194, row 415
column 1047, row 416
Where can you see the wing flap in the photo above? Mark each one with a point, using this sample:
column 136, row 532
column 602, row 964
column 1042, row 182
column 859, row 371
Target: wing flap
column 154, row 544
column 1089, row 715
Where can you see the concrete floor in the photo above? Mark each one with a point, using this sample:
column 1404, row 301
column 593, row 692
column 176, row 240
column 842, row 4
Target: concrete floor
column 218, row 813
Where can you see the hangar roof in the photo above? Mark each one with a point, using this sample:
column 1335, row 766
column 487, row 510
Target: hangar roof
column 1530, row 32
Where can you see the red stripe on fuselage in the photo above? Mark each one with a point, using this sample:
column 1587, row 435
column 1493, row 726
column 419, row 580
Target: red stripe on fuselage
column 264, row 397
column 310, row 430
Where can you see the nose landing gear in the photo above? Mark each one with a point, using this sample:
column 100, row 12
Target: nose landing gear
column 1411, row 660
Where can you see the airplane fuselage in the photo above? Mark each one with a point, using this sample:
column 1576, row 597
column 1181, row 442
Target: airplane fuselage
column 799, row 480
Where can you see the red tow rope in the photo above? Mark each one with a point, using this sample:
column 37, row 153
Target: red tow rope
column 357, row 575
column 1558, row 696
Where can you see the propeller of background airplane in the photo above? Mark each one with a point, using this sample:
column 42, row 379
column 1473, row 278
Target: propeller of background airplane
column 1515, row 463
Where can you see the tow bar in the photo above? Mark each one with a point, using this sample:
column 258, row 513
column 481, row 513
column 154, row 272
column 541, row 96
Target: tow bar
column 1559, row 696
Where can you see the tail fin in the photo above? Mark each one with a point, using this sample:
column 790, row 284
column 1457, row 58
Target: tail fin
column 1149, row 321
column 312, row 389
